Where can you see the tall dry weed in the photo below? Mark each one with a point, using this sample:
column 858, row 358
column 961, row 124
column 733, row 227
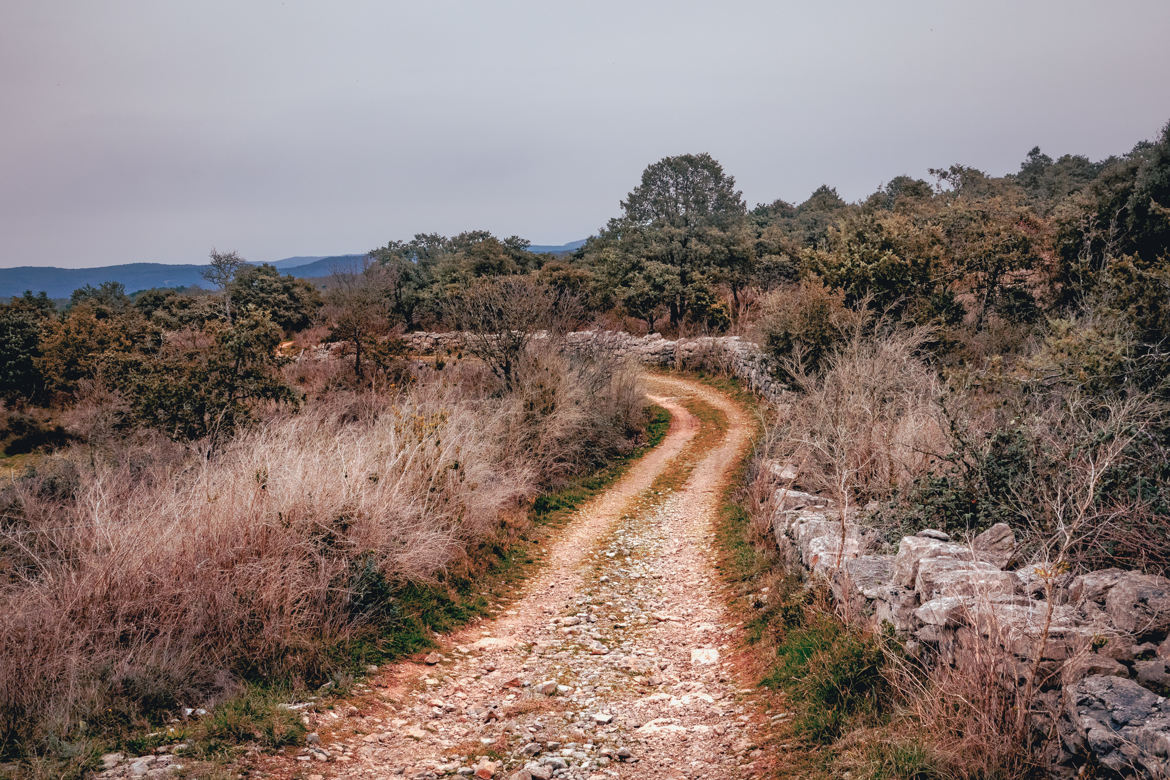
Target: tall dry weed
column 868, row 424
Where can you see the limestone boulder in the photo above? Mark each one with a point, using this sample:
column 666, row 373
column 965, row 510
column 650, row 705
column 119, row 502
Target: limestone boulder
column 1121, row 725
column 806, row 526
column 1032, row 628
column 1131, row 602
column 1093, row 587
column 827, row 554
column 1153, row 673
column 862, row 582
column 870, row 576
column 785, row 472
column 957, row 577
column 897, row 608
column 1088, row 664
column 944, row 612
column 996, row 545
column 797, row 499
column 1040, row 581
column 914, row 549
column 1139, row 604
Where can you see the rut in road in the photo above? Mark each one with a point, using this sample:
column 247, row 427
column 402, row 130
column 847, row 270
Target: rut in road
column 613, row 664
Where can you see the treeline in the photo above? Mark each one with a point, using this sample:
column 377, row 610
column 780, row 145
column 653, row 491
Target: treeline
column 985, row 262
column 187, row 363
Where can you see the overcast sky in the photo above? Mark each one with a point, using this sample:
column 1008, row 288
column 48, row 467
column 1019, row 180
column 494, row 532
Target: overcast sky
column 155, row 129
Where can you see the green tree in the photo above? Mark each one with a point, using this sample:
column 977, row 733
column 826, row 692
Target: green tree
column 993, row 240
column 886, row 257
column 107, row 299
column 21, row 323
column 209, row 382
column 645, row 289
column 89, row 342
column 687, row 215
column 174, row 310
column 813, row 218
column 289, row 302
column 686, row 192
column 410, row 268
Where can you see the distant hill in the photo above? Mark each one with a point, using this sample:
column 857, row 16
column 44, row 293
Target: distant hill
column 323, row 266
column 563, row 249
column 293, row 262
column 61, row 282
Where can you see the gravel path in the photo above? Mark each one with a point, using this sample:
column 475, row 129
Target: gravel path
column 614, row 663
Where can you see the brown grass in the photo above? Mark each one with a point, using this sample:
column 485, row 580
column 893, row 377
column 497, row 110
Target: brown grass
column 134, row 584
column 866, row 426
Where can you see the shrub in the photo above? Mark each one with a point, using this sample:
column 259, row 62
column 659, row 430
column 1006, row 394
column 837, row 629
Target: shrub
column 21, row 322
column 286, row 300
column 868, row 425
column 803, row 322
column 208, row 383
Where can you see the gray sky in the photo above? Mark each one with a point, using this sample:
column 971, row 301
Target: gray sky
column 155, row 129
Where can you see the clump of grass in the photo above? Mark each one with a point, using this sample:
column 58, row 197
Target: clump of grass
column 879, row 755
column 834, row 674
column 255, row 716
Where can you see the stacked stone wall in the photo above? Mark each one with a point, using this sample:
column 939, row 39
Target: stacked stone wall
column 1096, row 644
column 731, row 354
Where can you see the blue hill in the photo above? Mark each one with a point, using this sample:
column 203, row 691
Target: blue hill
column 61, row 282
column 561, row 249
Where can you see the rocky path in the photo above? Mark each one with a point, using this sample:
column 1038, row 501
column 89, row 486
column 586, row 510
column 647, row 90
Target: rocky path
column 615, row 662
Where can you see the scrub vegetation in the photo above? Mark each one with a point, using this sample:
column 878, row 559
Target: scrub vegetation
column 208, row 493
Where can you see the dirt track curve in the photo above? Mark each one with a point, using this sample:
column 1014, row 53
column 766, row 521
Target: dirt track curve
column 614, row 663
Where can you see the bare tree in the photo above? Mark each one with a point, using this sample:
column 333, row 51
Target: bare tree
column 357, row 310
column 221, row 272
column 501, row 317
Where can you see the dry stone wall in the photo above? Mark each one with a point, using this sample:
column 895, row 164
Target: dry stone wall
column 742, row 359
column 1098, row 641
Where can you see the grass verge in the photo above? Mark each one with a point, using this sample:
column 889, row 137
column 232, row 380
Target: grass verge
column 831, row 708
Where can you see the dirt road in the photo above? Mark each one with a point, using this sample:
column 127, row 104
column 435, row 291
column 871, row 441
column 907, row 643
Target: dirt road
column 614, row 663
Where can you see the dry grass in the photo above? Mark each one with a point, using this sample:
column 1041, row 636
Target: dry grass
column 866, row 426
column 138, row 583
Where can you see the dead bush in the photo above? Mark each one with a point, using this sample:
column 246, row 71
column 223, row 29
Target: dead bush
column 867, row 425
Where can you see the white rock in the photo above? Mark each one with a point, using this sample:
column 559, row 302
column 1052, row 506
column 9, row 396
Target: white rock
column 702, row 656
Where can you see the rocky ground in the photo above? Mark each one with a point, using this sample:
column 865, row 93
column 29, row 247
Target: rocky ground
column 615, row 663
